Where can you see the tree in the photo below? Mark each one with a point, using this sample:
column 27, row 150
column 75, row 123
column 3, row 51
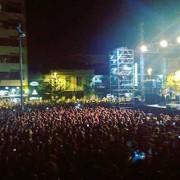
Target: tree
column 52, row 87
column 44, row 90
column 173, row 81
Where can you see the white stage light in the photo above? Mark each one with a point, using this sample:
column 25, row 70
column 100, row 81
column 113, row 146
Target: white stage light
column 143, row 48
column 163, row 43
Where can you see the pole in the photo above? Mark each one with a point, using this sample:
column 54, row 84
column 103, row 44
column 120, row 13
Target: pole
column 142, row 62
column 164, row 71
column 21, row 71
column 21, row 35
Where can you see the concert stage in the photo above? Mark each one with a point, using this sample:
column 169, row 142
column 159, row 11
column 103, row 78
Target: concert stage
column 167, row 109
column 168, row 106
column 157, row 106
column 173, row 106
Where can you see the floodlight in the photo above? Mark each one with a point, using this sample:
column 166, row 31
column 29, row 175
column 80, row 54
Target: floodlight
column 143, row 48
column 178, row 39
column 163, row 43
column 149, row 71
column 177, row 76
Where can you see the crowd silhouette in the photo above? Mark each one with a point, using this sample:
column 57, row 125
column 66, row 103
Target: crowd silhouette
column 88, row 142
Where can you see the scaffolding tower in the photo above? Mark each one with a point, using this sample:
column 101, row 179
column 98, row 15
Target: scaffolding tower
column 122, row 72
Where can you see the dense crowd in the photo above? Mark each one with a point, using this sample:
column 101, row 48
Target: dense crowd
column 91, row 142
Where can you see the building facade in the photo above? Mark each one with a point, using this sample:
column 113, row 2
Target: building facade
column 70, row 82
column 12, row 13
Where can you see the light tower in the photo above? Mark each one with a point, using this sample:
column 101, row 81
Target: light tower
column 122, row 72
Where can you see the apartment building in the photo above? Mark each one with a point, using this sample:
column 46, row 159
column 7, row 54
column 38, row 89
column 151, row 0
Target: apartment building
column 12, row 13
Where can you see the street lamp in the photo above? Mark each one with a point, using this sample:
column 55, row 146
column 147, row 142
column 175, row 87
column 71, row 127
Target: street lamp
column 21, row 35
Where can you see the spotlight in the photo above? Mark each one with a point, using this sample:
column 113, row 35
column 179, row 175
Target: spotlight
column 163, row 43
column 178, row 39
column 177, row 76
column 143, row 48
column 149, row 71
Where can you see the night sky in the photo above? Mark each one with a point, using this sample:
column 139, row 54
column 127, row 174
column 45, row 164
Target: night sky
column 59, row 28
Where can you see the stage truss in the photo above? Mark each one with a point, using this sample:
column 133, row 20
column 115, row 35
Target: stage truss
column 122, row 72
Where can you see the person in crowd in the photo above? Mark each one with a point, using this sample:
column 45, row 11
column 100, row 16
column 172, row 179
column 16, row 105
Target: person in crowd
column 90, row 141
